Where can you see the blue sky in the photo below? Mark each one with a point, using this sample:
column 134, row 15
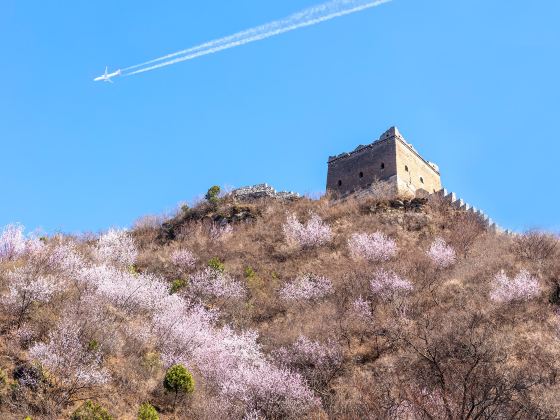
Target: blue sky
column 473, row 85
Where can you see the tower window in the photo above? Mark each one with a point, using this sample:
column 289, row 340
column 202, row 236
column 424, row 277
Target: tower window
column 339, row 183
column 382, row 165
column 421, row 180
column 361, row 174
column 406, row 168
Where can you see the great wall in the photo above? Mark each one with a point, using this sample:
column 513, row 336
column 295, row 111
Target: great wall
column 390, row 160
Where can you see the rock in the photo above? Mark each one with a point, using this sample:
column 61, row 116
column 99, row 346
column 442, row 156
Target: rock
column 262, row 191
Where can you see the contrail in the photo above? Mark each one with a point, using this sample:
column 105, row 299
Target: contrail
column 308, row 17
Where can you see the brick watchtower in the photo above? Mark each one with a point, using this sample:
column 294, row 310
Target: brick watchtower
column 389, row 159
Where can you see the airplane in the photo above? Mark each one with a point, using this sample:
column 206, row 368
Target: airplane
column 107, row 76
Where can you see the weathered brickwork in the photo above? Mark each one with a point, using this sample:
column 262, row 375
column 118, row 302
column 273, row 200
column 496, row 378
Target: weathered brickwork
column 390, row 159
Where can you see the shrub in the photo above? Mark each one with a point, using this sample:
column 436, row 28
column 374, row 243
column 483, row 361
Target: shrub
column 177, row 285
column 534, row 245
column 213, row 194
column 312, row 234
column 147, row 412
column 178, row 380
column 90, row 411
column 374, row 247
column 216, row 264
column 249, row 273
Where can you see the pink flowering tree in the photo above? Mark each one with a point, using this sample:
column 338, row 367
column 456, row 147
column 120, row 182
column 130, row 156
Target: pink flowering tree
column 76, row 366
column 215, row 284
column 308, row 287
column 25, row 288
column 388, row 285
column 14, row 243
column 183, row 259
column 218, row 232
column 62, row 259
column 522, row 287
column 442, row 254
column 312, row 234
column 361, row 309
column 116, row 247
column 274, row 392
column 114, row 304
column 318, row 363
column 372, row 247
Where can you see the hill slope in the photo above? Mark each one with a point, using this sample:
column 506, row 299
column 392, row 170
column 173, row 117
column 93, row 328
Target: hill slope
column 285, row 309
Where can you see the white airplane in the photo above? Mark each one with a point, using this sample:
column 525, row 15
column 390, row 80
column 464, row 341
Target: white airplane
column 107, row 76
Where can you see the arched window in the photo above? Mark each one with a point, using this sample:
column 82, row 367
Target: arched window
column 406, row 168
column 339, row 183
column 421, row 180
column 361, row 174
column 382, row 165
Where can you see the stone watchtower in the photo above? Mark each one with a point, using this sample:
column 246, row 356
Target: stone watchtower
column 389, row 159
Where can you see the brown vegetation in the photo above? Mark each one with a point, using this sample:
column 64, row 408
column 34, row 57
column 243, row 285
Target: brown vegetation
column 443, row 350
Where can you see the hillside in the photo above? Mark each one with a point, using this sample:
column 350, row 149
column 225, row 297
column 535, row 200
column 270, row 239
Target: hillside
column 354, row 309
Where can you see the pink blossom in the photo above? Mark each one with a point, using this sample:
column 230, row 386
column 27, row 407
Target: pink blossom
column 312, row 234
column 218, row 232
column 522, row 287
column 374, row 247
column 274, row 392
column 62, row 258
column 13, row 243
column 116, row 247
column 362, row 308
column 25, row 287
column 317, row 362
column 387, row 284
column 215, row 284
column 306, row 287
column 129, row 292
column 441, row 254
column 75, row 365
column 184, row 259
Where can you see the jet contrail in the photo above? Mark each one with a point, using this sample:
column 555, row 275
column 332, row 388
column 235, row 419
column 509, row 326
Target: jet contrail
column 307, row 17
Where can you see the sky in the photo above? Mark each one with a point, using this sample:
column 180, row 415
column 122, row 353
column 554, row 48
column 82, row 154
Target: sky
column 473, row 85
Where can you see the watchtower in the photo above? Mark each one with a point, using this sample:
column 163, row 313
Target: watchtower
column 390, row 159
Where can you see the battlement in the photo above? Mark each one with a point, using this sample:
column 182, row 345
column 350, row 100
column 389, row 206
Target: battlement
column 390, row 158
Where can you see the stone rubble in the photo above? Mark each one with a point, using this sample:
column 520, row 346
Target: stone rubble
column 258, row 191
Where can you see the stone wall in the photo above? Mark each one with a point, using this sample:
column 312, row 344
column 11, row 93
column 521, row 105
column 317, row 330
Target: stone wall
column 460, row 204
column 413, row 172
column 390, row 158
column 354, row 171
